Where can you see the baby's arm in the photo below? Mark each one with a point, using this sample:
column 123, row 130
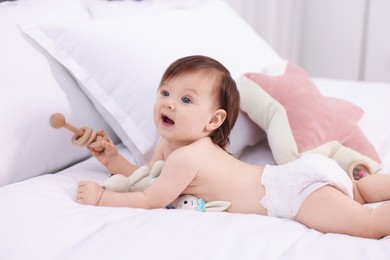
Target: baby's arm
column 175, row 177
column 116, row 163
column 111, row 158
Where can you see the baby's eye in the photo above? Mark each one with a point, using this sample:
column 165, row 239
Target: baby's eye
column 186, row 100
column 164, row 93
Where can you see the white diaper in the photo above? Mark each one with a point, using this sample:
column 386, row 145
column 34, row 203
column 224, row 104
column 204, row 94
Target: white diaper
column 288, row 185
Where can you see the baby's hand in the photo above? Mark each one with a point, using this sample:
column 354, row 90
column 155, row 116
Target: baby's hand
column 89, row 193
column 109, row 150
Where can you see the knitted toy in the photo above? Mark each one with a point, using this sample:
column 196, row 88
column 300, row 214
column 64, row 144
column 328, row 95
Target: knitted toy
column 84, row 136
column 138, row 181
column 191, row 202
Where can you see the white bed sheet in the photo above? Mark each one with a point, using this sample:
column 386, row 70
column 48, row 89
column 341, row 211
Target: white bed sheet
column 40, row 219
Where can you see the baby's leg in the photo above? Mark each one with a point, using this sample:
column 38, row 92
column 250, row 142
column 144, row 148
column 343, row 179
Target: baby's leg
column 328, row 210
column 373, row 188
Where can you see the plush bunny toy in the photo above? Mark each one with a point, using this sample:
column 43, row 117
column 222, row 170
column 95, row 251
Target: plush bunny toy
column 138, row 181
column 144, row 177
column 192, row 202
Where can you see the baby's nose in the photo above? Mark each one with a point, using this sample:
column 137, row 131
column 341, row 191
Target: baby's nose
column 170, row 104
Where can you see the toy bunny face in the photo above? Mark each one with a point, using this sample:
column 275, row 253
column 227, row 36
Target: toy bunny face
column 192, row 202
column 186, row 202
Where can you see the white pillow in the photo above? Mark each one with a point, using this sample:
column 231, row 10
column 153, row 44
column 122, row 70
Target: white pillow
column 244, row 133
column 34, row 85
column 38, row 11
column 110, row 9
column 119, row 62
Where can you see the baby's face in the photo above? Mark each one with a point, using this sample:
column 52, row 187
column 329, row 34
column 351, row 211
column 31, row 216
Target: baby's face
column 184, row 106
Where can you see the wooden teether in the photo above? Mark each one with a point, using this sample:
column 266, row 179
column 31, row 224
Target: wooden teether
column 84, row 136
column 358, row 170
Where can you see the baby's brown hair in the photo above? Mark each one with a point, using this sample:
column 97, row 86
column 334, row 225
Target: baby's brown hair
column 228, row 96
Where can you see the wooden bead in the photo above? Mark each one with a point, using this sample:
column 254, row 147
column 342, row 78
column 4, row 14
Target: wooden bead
column 85, row 136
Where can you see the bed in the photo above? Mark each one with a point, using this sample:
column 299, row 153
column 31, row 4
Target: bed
column 99, row 62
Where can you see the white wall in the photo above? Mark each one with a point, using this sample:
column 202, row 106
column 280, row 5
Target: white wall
column 332, row 38
column 277, row 21
column 345, row 39
column 377, row 62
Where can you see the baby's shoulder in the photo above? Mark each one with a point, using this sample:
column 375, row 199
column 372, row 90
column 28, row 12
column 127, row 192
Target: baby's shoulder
column 184, row 153
column 182, row 160
column 189, row 153
column 200, row 146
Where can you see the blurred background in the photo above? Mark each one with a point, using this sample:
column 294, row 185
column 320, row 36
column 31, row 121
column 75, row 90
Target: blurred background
column 344, row 39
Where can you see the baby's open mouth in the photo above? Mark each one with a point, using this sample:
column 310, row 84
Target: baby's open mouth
column 167, row 120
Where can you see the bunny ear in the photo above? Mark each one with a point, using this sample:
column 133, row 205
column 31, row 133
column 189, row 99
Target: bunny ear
column 136, row 176
column 218, row 205
column 156, row 169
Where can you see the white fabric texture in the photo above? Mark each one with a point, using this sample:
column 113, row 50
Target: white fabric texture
column 288, row 185
column 244, row 133
column 105, row 9
column 119, row 62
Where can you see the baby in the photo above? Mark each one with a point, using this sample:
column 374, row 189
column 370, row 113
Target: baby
column 195, row 110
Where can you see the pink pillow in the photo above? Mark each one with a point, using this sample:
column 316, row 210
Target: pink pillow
column 302, row 119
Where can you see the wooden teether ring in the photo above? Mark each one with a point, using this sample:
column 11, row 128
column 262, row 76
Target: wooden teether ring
column 358, row 165
column 96, row 145
column 85, row 136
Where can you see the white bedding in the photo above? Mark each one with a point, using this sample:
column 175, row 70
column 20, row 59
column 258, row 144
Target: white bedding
column 40, row 218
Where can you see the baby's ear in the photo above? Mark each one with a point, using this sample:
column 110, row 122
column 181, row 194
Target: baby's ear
column 217, row 120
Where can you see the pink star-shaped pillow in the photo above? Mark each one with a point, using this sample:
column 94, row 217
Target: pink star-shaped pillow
column 299, row 119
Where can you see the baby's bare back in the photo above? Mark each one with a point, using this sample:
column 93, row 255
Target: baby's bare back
column 220, row 176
